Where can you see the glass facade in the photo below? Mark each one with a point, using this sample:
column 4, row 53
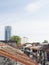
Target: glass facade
column 7, row 33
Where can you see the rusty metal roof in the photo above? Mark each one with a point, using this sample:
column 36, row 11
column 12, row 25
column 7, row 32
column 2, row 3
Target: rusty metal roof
column 15, row 54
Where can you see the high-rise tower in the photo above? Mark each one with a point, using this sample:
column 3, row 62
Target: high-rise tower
column 7, row 33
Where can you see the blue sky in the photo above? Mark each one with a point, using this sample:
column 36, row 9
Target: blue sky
column 28, row 18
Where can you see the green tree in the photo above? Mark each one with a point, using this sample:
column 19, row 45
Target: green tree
column 45, row 41
column 17, row 39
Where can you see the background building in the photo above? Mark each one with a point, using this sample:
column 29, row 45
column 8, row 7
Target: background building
column 24, row 40
column 7, row 33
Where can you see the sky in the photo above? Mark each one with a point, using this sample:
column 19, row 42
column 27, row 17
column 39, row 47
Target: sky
column 28, row 18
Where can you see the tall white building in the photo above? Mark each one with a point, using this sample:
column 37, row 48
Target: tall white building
column 24, row 40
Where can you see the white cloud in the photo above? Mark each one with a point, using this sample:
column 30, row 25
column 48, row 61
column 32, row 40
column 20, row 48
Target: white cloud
column 35, row 6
